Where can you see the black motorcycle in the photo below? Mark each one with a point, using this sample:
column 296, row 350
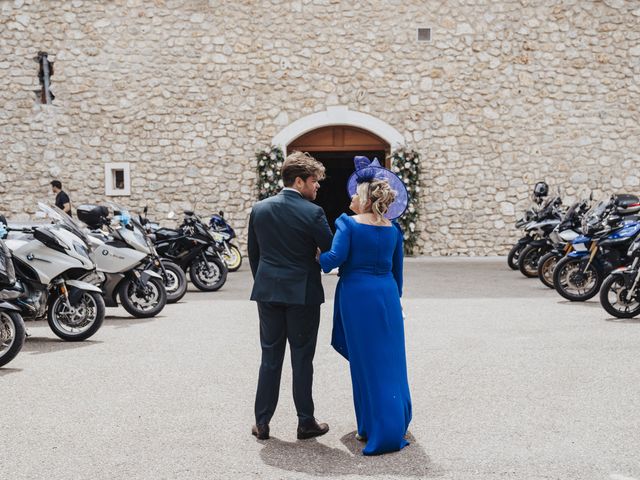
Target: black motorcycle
column 193, row 247
column 540, row 191
column 620, row 291
column 537, row 235
column 12, row 331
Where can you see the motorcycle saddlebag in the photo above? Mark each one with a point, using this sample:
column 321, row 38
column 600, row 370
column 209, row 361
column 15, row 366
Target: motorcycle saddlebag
column 93, row 215
column 627, row 203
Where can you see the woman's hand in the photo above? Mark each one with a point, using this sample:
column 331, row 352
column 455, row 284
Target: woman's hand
column 318, row 252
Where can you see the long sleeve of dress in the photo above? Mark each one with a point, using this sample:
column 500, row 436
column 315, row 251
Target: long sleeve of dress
column 398, row 259
column 340, row 247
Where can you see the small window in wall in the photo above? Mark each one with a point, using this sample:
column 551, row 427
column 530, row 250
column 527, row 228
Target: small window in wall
column 117, row 179
column 424, row 34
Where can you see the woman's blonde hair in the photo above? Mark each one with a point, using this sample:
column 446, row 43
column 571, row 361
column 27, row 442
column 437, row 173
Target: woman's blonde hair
column 380, row 194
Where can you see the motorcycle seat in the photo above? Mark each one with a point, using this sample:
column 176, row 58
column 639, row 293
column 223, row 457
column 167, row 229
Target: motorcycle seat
column 166, row 233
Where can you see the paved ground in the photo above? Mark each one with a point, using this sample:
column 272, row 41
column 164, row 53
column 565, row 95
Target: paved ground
column 508, row 381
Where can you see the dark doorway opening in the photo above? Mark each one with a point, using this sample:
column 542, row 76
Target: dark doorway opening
column 333, row 196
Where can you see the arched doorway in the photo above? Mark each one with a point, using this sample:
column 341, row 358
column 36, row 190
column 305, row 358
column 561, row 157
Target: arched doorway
column 335, row 146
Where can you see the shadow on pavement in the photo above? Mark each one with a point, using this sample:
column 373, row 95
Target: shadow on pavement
column 586, row 304
column 314, row 458
column 622, row 320
column 126, row 321
column 7, row 371
column 39, row 345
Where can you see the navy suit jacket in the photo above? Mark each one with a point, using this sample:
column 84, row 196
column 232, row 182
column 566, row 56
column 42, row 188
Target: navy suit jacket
column 284, row 232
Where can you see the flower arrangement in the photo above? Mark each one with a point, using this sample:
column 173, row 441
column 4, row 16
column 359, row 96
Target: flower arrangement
column 269, row 162
column 406, row 164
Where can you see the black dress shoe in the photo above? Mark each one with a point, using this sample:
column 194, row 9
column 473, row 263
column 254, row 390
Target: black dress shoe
column 312, row 429
column 261, row 431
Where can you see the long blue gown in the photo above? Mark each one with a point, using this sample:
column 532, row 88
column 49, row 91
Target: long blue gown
column 368, row 329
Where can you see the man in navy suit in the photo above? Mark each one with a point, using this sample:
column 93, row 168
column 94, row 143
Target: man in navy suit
column 285, row 232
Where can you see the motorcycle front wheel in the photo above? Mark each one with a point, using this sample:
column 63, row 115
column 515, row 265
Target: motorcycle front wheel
column 528, row 261
column 613, row 297
column 208, row 276
column 574, row 284
column 514, row 254
column 12, row 335
column 175, row 282
column 78, row 321
column 143, row 301
column 233, row 259
column 546, row 266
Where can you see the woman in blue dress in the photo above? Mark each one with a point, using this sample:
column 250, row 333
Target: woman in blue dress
column 368, row 328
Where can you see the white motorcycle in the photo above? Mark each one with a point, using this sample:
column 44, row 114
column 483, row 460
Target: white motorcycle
column 121, row 256
column 49, row 259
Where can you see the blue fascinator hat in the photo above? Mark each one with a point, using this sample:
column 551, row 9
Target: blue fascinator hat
column 367, row 171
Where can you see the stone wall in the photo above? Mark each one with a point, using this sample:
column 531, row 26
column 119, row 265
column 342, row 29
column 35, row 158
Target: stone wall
column 505, row 94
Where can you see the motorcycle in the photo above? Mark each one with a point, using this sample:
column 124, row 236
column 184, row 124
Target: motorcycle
column 548, row 218
column 540, row 191
column 12, row 331
column 602, row 247
column 49, row 261
column 620, row 292
column 122, row 256
column 561, row 238
column 194, row 248
column 231, row 254
column 173, row 277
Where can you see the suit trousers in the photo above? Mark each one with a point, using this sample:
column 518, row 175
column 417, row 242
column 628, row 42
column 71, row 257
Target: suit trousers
column 297, row 324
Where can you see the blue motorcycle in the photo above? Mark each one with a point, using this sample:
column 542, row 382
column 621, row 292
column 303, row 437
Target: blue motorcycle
column 231, row 253
column 607, row 233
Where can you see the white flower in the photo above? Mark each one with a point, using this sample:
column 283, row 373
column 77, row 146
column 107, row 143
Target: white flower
column 407, row 165
column 412, row 226
column 272, row 156
column 269, row 173
column 406, row 236
column 261, row 164
column 280, row 183
column 411, row 209
column 279, row 164
column 417, row 189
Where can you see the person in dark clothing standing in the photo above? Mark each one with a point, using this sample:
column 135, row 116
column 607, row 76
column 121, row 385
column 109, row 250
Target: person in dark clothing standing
column 63, row 202
column 285, row 232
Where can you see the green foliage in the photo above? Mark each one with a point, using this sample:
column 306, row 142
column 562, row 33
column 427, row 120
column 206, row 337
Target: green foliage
column 406, row 164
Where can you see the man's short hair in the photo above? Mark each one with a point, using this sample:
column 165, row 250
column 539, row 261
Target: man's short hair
column 302, row 165
column 56, row 183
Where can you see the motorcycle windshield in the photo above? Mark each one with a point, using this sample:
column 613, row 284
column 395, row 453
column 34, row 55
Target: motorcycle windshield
column 61, row 218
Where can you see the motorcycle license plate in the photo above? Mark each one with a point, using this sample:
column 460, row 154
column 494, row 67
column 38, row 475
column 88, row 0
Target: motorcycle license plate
column 579, row 247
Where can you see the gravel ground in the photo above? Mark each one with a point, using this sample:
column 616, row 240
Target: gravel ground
column 508, row 380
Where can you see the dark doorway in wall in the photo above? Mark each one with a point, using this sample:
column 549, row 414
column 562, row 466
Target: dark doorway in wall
column 333, row 196
column 335, row 146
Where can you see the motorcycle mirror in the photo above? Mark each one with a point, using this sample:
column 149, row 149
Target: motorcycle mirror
column 221, row 213
column 145, row 210
column 171, row 215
